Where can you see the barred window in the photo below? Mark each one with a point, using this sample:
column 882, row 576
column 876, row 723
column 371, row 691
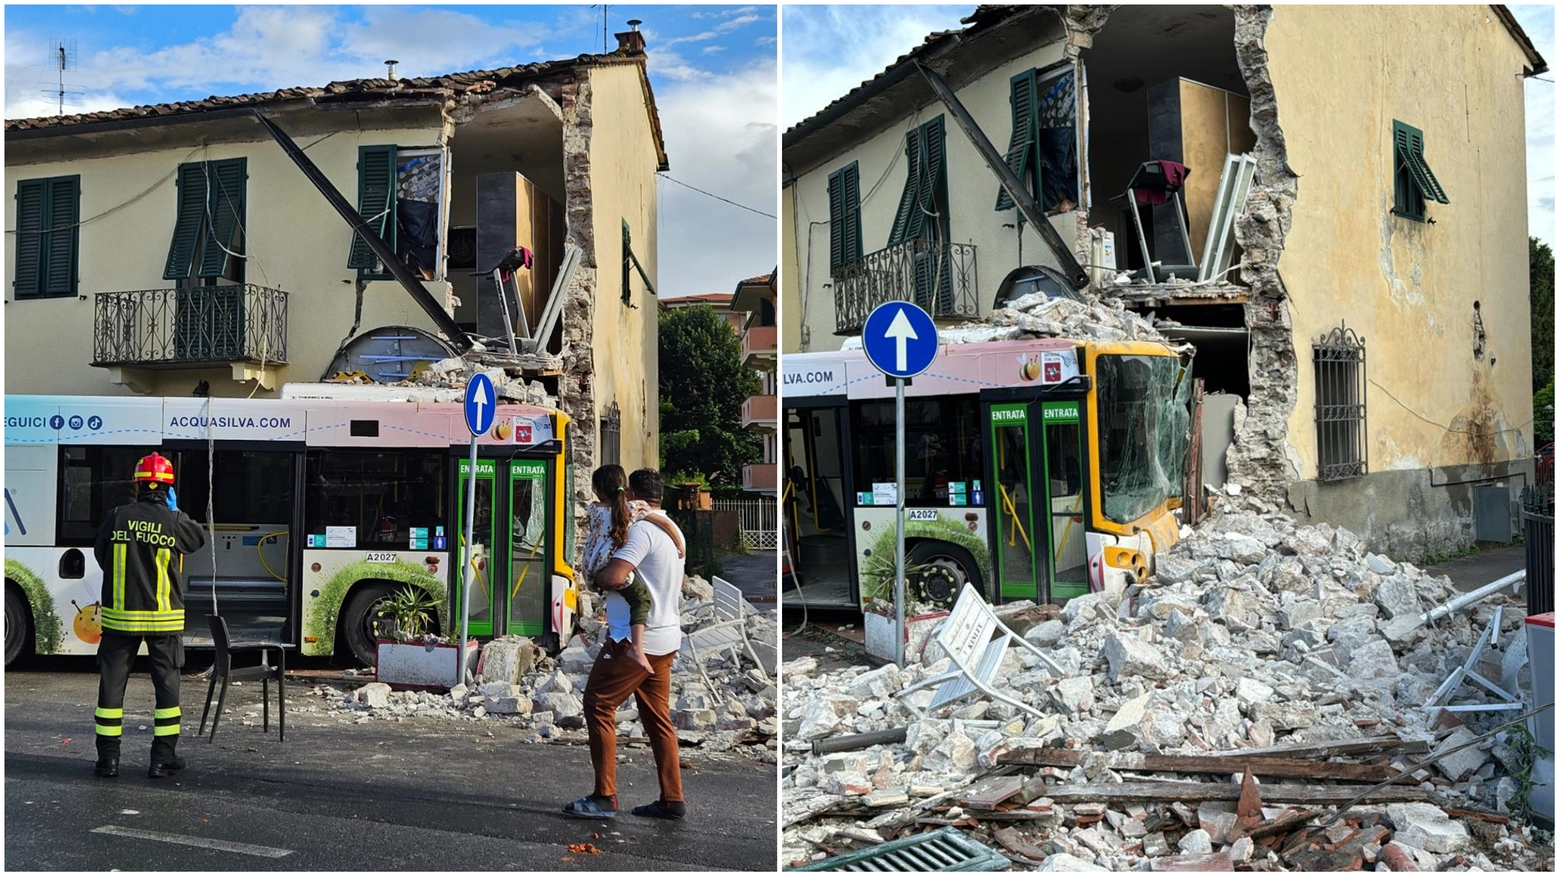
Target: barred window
column 1339, row 358
column 610, row 437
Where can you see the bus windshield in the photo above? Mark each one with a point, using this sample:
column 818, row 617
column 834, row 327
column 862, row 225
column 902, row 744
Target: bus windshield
column 1143, row 427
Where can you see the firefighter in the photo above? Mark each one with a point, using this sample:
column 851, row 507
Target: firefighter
column 140, row 550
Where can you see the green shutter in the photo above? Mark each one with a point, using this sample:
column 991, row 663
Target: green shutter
column 59, row 246
column 1408, row 148
column 1024, row 144
column 907, row 199
column 376, row 203
column 191, row 219
column 29, row 236
column 225, row 182
column 852, row 186
column 844, row 216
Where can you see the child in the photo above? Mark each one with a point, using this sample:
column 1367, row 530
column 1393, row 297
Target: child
column 609, row 518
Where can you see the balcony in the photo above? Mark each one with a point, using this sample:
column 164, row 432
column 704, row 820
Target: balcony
column 758, row 346
column 761, row 477
column 758, row 413
column 939, row 277
column 198, row 327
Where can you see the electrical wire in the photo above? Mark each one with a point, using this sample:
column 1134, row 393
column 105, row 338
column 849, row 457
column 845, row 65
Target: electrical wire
column 1442, row 425
column 134, row 198
column 715, row 196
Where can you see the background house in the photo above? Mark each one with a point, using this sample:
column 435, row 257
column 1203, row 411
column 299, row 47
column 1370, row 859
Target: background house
column 161, row 249
column 754, row 301
column 1368, row 314
column 720, row 301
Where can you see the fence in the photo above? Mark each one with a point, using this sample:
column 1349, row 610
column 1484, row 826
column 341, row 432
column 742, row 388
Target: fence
column 759, row 520
column 698, row 529
column 1538, row 538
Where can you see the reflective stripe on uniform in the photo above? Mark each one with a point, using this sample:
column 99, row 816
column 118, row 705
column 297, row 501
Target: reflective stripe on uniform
column 164, row 582
column 166, row 731
column 139, row 621
column 119, row 576
column 109, row 721
column 110, row 731
column 110, row 712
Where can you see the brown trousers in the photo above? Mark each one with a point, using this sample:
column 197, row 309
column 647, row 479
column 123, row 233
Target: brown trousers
column 612, row 679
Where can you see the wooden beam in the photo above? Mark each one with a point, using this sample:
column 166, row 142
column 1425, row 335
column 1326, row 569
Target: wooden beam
column 1262, row 766
column 1187, row 792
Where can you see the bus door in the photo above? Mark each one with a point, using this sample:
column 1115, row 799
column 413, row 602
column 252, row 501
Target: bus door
column 1037, row 500
column 815, row 504
column 509, row 547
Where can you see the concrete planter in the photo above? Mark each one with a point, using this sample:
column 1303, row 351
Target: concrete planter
column 415, row 665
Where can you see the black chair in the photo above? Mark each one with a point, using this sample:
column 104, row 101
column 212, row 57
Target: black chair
column 222, row 668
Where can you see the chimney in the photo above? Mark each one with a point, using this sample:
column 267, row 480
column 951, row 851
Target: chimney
column 391, row 65
column 633, row 40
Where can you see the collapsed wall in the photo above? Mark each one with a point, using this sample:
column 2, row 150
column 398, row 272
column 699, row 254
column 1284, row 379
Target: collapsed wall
column 1258, row 458
column 576, row 388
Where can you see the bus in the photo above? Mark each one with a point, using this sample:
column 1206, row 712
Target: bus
column 320, row 508
column 1038, row 469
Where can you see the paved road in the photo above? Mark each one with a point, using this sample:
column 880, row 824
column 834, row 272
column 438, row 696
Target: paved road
column 423, row 794
column 1479, row 569
column 753, row 573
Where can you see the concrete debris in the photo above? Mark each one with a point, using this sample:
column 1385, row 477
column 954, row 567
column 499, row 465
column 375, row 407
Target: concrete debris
column 1254, row 632
column 727, row 705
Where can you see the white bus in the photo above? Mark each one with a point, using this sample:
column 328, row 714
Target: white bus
column 321, row 508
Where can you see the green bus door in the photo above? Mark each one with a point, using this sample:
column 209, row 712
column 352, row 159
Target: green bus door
column 1037, row 500
column 509, row 554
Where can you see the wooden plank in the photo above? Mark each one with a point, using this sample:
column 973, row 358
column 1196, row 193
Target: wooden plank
column 1361, row 746
column 1268, row 766
column 989, row 794
column 1173, row 791
column 1199, row 863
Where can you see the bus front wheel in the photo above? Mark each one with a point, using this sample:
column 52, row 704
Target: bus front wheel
column 360, row 620
column 945, row 569
column 18, row 623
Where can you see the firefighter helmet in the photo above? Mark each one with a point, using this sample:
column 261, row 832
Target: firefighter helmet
column 154, row 468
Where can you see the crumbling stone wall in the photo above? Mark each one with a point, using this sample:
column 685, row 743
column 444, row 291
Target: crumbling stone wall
column 1258, row 459
column 576, row 387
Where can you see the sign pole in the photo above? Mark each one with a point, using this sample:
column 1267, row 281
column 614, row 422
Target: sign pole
column 899, row 513
column 465, row 591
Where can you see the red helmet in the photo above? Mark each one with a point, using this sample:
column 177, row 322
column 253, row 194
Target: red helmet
column 155, row 468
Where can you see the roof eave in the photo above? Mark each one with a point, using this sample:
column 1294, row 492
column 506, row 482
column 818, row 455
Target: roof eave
column 1535, row 62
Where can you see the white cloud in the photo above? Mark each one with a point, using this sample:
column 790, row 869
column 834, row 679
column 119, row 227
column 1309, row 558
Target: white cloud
column 720, row 137
column 710, row 50
column 829, row 50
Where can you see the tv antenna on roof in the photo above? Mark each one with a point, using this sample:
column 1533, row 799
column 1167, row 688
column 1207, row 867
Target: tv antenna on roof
column 63, row 56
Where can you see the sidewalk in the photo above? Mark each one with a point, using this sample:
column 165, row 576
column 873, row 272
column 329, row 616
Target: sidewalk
column 753, row 573
column 1477, row 570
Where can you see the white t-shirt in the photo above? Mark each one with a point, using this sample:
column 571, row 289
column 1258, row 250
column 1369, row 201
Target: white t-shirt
column 653, row 555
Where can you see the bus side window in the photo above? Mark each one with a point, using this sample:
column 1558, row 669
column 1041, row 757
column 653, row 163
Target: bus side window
column 73, row 564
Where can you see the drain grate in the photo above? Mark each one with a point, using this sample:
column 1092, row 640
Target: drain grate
column 946, row 849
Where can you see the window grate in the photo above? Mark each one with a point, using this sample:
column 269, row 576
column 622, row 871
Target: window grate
column 1339, row 359
column 611, row 437
column 946, row 849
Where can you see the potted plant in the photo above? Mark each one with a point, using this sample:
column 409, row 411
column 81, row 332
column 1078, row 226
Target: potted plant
column 409, row 655
column 696, row 489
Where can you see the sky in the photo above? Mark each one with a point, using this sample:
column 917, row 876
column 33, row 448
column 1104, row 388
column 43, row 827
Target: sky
column 828, row 50
column 712, row 68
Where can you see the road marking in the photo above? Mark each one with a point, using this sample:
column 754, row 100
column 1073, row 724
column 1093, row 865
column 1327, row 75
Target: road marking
column 208, row 843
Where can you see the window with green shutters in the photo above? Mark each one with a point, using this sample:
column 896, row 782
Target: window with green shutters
column 376, row 204
column 1023, row 152
column 1413, row 183
column 47, row 237
column 923, row 214
column 844, row 217
column 208, row 238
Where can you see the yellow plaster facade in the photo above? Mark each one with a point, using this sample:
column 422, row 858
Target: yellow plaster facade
column 1342, row 75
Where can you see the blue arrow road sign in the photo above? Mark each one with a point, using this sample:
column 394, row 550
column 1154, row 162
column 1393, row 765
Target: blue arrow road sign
column 900, row 339
column 480, row 404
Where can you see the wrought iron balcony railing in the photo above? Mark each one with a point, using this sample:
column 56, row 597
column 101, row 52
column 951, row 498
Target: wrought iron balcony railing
column 186, row 328
column 939, row 277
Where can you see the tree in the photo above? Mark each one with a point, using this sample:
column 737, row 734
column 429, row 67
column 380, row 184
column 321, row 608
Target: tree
column 703, row 386
column 1541, row 301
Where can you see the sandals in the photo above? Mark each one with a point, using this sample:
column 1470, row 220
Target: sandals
column 587, row 808
column 654, row 810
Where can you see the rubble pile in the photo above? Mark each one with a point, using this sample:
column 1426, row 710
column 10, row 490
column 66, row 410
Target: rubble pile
column 1256, row 639
column 720, row 701
column 1037, row 315
column 454, row 373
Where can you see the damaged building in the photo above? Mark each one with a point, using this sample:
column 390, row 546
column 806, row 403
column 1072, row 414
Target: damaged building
column 208, row 247
column 1337, row 227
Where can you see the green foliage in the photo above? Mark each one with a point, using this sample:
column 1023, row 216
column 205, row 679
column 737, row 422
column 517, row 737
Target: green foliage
column 321, row 615
column 1525, row 754
column 703, row 386
column 413, row 610
column 47, row 632
column 1541, row 302
column 1544, row 409
column 679, row 478
column 877, row 571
